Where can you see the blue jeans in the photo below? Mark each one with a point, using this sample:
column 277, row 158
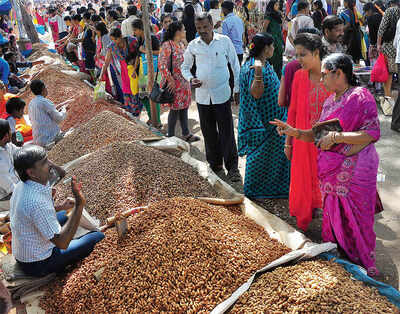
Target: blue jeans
column 77, row 250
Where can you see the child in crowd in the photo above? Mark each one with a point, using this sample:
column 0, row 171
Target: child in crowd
column 14, row 110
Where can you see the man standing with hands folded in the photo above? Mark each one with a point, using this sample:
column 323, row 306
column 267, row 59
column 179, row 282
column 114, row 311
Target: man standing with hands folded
column 212, row 52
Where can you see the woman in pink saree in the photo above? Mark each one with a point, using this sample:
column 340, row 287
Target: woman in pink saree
column 347, row 163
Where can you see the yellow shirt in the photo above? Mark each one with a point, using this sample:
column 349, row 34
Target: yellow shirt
column 82, row 24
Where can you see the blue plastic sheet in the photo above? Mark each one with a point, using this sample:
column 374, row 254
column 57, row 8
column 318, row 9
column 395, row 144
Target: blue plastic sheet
column 3, row 40
column 40, row 29
column 389, row 292
column 5, row 6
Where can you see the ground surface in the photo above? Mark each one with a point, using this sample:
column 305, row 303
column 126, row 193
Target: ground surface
column 387, row 226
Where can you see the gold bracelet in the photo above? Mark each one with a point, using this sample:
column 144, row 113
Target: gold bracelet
column 333, row 137
column 288, row 146
column 340, row 139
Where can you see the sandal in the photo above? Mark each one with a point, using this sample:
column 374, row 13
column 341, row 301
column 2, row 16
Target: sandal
column 192, row 138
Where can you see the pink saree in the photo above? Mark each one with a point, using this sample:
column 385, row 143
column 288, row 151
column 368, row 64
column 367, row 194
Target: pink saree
column 348, row 183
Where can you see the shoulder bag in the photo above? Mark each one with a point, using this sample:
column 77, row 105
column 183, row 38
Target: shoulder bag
column 162, row 95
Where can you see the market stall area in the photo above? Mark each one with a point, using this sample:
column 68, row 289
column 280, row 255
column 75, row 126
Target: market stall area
column 312, row 286
column 181, row 255
column 103, row 129
column 124, row 175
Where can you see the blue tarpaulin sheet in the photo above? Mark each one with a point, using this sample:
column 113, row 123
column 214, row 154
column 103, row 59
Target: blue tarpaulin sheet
column 5, row 6
column 40, row 29
column 389, row 292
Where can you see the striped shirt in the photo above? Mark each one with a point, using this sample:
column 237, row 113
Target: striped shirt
column 33, row 222
column 44, row 118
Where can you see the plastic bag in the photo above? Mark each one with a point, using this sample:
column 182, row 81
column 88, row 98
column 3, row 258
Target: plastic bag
column 380, row 71
column 100, row 90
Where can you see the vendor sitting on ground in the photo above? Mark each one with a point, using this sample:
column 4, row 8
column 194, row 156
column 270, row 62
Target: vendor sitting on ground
column 44, row 116
column 42, row 235
column 14, row 110
column 8, row 177
column 15, row 80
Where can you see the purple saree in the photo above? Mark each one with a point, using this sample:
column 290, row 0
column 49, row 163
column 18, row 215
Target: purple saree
column 348, row 183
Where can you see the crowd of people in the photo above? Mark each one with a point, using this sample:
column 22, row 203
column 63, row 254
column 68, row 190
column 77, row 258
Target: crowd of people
column 298, row 83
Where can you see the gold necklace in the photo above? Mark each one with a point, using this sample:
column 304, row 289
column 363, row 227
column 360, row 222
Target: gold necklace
column 341, row 94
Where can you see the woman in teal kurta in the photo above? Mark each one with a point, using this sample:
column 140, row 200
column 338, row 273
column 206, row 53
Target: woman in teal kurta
column 267, row 168
column 273, row 26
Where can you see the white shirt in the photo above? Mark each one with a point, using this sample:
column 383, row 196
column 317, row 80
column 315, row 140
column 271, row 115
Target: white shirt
column 44, row 118
column 216, row 17
column 299, row 22
column 33, row 222
column 212, row 68
column 126, row 26
column 8, row 177
column 13, row 124
column 198, row 9
column 396, row 42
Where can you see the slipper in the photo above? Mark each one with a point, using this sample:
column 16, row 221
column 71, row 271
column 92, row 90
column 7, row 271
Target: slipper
column 192, row 138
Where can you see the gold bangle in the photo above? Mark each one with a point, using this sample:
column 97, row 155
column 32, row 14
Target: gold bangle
column 288, row 146
column 340, row 139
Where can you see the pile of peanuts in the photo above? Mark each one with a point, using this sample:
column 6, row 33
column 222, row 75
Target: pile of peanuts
column 60, row 86
column 83, row 109
column 105, row 128
column 311, row 287
column 125, row 175
column 180, row 256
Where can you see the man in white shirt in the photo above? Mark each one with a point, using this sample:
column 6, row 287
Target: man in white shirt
column 44, row 116
column 212, row 53
column 8, row 177
column 42, row 233
column 126, row 26
column 215, row 13
column 302, row 20
column 198, row 8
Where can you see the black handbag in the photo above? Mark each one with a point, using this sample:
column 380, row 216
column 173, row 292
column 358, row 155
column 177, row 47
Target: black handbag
column 162, row 95
column 320, row 129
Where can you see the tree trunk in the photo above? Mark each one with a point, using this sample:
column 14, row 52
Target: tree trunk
column 28, row 25
column 149, row 57
column 21, row 29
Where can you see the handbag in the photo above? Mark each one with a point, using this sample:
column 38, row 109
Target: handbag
column 321, row 129
column 379, row 72
column 162, row 95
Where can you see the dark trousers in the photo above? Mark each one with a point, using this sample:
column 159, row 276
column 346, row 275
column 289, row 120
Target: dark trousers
column 77, row 250
column 231, row 76
column 173, row 117
column 217, row 127
column 396, row 115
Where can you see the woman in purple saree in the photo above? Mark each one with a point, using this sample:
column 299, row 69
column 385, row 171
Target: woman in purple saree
column 347, row 163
